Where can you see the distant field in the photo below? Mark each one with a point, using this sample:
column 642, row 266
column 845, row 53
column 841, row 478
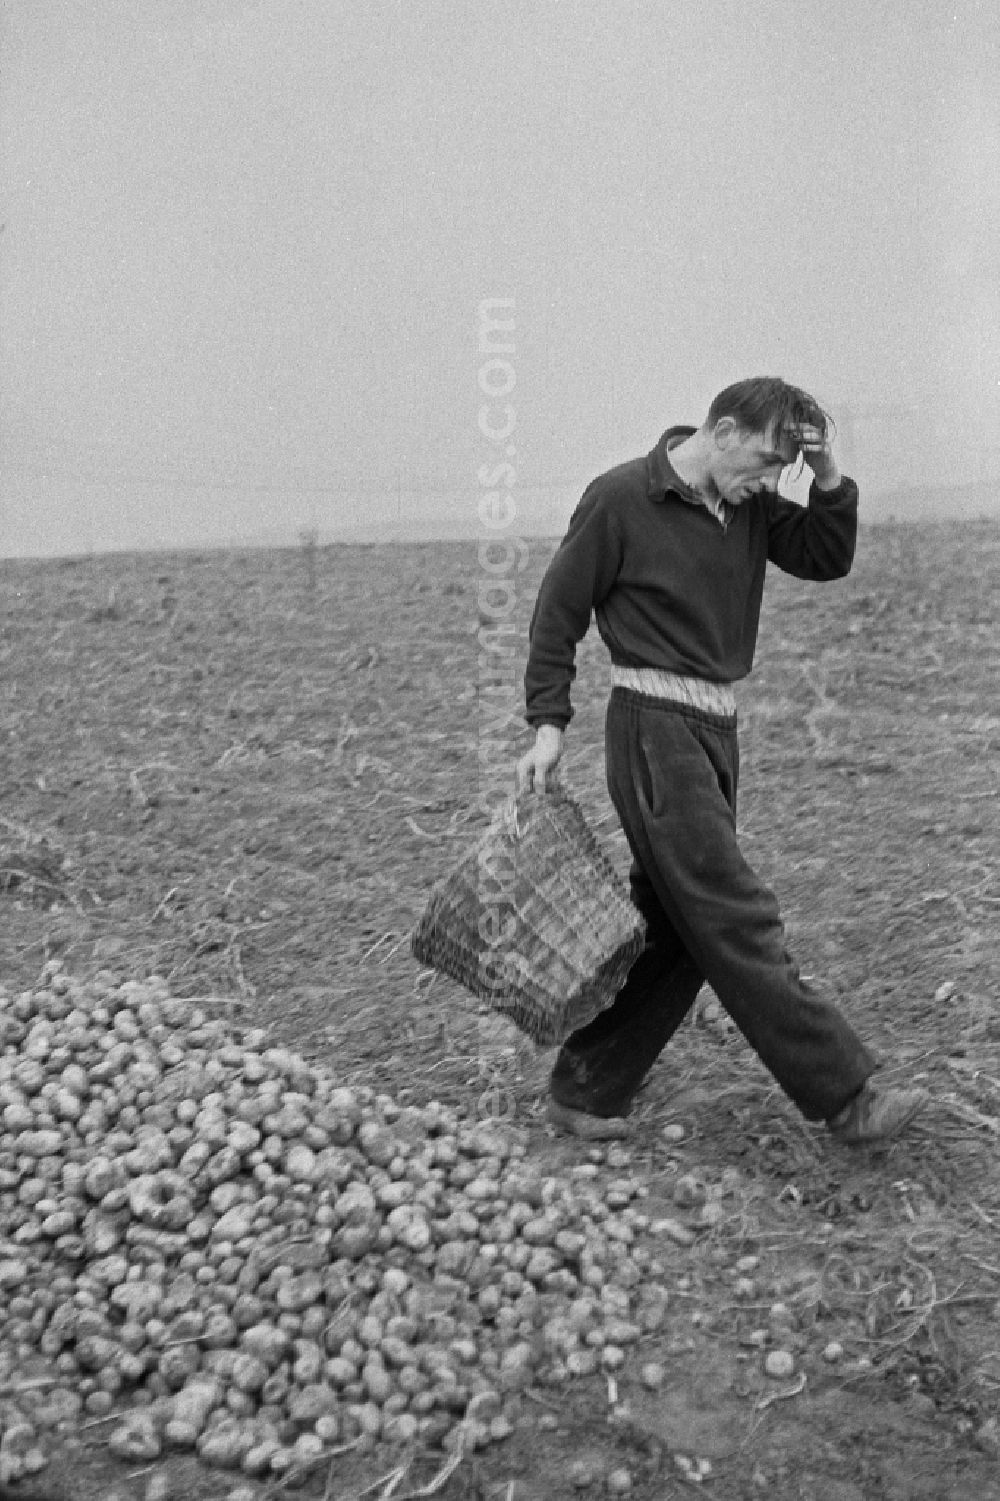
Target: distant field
column 174, row 519
column 242, row 770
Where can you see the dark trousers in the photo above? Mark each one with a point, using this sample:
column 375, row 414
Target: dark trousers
column 672, row 775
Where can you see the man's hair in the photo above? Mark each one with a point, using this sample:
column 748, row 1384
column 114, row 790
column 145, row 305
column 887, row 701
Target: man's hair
column 764, row 401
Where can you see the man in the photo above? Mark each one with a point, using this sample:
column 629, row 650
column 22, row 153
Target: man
column 670, row 551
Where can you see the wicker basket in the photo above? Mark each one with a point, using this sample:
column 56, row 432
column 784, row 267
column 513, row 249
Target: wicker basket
column 534, row 920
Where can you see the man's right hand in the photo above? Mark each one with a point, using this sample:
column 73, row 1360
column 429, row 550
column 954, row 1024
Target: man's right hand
column 535, row 769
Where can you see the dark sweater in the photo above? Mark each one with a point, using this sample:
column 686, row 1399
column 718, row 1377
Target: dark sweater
column 671, row 586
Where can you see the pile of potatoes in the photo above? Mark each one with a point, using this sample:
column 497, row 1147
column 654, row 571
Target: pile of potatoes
column 216, row 1247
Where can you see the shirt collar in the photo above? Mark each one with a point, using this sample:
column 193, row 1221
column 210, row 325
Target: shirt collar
column 664, row 479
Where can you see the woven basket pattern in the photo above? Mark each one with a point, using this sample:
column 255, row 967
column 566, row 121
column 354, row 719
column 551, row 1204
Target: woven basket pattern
column 534, row 920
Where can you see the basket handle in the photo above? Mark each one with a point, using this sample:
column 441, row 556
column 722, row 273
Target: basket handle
column 510, row 818
column 518, row 804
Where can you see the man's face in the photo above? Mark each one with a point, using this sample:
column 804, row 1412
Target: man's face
column 745, row 464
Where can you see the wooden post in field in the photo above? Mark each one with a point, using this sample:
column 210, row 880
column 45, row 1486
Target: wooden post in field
column 309, row 536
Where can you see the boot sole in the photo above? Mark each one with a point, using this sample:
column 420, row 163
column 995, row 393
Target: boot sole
column 588, row 1127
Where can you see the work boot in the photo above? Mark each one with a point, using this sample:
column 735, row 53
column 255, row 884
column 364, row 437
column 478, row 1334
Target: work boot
column 875, row 1115
column 588, row 1127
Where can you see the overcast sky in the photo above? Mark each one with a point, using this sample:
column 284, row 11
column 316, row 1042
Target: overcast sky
column 245, row 242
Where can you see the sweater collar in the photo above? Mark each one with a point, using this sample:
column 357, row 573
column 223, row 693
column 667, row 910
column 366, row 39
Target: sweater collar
column 664, row 479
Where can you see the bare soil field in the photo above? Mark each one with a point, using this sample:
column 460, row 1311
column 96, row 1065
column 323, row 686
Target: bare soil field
column 243, row 771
